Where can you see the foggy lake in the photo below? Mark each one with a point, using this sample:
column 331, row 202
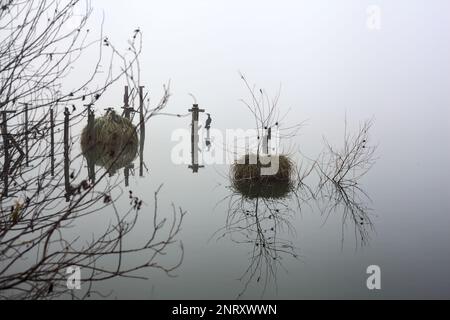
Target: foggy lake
column 362, row 115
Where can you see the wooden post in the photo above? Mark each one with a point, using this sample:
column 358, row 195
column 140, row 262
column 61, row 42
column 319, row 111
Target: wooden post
column 52, row 143
column 7, row 160
column 126, row 103
column 91, row 135
column 26, row 135
column 25, row 105
column 66, row 154
column 7, row 170
column 126, row 98
column 141, row 131
column 7, row 139
column 141, row 104
column 91, row 118
column 194, row 137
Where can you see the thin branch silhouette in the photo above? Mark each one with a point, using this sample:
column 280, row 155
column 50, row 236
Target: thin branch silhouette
column 340, row 172
column 43, row 216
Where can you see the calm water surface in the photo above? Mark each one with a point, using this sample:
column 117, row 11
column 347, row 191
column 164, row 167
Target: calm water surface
column 330, row 67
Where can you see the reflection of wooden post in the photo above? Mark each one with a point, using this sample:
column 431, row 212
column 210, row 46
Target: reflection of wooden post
column 208, row 139
column 265, row 144
column 141, row 130
column 66, row 154
column 126, row 172
column 91, row 169
column 141, row 150
column 194, row 138
column 52, row 143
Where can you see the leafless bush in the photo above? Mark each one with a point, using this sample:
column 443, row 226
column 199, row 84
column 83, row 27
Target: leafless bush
column 340, row 173
column 46, row 197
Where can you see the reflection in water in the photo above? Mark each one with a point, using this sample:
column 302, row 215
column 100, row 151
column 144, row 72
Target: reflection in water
column 141, row 149
column 261, row 224
column 49, row 219
column 41, row 235
column 262, row 205
column 340, row 173
column 208, row 140
column 110, row 141
column 259, row 217
column 265, row 185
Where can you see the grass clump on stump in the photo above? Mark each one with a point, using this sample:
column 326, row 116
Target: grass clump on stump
column 247, row 179
column 110, row 141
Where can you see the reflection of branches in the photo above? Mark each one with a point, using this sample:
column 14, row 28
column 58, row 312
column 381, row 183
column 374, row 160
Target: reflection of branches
column 40, row 210
column 103, row 257
column 340, row 172
column 35, row 242
column 259, row 223
column 263, row 223
column 260, row 209
column 258, row 216
column 302, row 191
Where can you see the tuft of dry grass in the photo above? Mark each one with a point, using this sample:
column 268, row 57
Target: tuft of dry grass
column 111, row 142
column 247, row 178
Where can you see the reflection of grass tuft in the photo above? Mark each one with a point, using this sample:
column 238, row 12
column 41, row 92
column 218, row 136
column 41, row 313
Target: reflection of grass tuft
column 247, row 178
column 111, row 143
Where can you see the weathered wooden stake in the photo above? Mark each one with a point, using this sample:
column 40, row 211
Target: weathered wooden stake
column 91, row 135
column 7, row 140
column 91, row 118
column 52, row 143
column 141, row 130
column 194, row 137
column 26, row 135
column 5, row 171
column 66, row 155
column 126, row 103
